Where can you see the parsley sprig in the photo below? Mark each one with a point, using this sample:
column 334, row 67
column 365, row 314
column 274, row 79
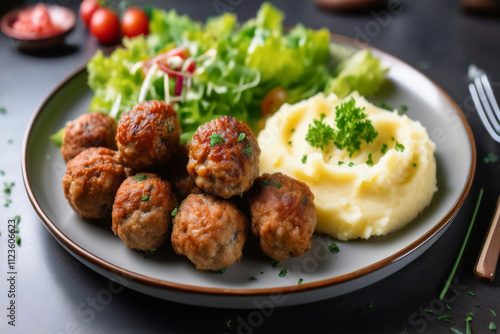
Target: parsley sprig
column 352, row 128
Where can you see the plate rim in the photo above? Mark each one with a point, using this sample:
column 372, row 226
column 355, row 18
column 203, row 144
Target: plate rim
column 228, row 292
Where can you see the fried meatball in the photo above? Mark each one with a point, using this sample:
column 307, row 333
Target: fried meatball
column 210, row 231
column 142, row 211
column 283, row 215
column 177, row 174
column 148, row 135
column 91, row 181
column 89, row 130
column 224, row 157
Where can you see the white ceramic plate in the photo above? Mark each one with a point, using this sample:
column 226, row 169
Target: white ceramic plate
column 172, row 277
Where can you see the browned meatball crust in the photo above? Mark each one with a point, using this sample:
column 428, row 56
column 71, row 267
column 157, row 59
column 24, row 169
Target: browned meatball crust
column 142, row 211
column 283, row 215
column 210, row 231
column 89, row 130
column 91, row 181
column 177, row 174
column 224, row 157
column 148, row 135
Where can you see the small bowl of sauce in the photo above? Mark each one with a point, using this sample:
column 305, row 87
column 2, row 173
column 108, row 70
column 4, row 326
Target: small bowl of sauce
column 38, row 27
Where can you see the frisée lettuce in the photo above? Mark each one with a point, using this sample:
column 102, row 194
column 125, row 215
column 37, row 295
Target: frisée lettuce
column 223, row 68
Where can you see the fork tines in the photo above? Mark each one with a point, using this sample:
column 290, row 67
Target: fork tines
column 486, row 105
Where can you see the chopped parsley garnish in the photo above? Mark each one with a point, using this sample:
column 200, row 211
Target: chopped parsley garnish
column 2, row 172
column 370, row 305
column 3, row 110
column 140, row 177
column 492, row 326
column 493, row 312
column 404, row 108
column 292, row 130
column 414, row 164
column 145, row 198
column 228, row 323
column 282, row 273
column 470, row 293
column 247, row 150
column 174, row 212
column 351, row 164
column 265, row 182
column 393, row 139
column 18, row 240
column 299, row 282
column 8, row 188
column 170, row 128
column 277, row 185
column 216, row 138
column 399, row 147
column 290, row 142
column 320, row 134
column 341, row 163
column 448, row 306
column 369, row 162
column 304, row 158
column 241, row 137
column 384, row 148
column 353, row 127
column 252, row 278
column 333, row 248
column 275, row 263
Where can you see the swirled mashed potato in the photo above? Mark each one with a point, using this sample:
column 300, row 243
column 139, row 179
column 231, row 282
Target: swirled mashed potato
column 355, row 197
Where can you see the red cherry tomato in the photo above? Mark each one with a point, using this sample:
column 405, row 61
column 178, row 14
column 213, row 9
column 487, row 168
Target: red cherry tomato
column 105, row 25
column 87, row 9
column 135, row 22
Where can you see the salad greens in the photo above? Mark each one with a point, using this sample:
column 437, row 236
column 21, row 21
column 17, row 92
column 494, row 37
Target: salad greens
column 235, row 67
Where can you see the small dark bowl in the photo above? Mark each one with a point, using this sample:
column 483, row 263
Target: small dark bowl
column 28, row 41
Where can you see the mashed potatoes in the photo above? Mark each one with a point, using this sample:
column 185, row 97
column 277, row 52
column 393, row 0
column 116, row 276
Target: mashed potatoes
column 355, row 197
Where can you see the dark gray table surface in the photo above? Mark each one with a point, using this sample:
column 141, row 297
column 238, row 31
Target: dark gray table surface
column 57, row 294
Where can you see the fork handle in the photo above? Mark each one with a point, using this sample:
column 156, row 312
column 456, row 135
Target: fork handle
column 487, row 261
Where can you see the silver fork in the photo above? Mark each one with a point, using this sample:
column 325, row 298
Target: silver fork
column 487, row 109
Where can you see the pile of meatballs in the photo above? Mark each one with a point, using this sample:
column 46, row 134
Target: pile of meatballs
column 137, row 173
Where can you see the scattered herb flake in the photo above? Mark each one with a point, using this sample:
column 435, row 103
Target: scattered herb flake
column 145, row 198
column 299, row 282
column 277, row 185
column 150, row 253
column 140, row 177
column 392, row 138
column 492, row 326
column 2, row 172
column 170, row 128
column 428, row 310
column 3, row 110
column 470, row 293
column 18, row 240
column 241, row 137
column 275, row 263
column 491, row 158
column 448, row 306
column 282, row 273
column 370, row 305
column 292, row 130
column 247, row 150
column 252, row 278
column 290, row 142
column 333, row 248
column 399, row 147
column 174, row 212
column 384, row 148
column 414, row 164
column 261, row 272
column 304, row 158
column 369, row 162
column 216, row 138
column 228, row 323
column 341, row 163
column 456, row 331
column 493, row 312
column 351, row 164
column 404, row 108
column 265, row 182
column 386, row 106
column 445, row 317
column 219, row 272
